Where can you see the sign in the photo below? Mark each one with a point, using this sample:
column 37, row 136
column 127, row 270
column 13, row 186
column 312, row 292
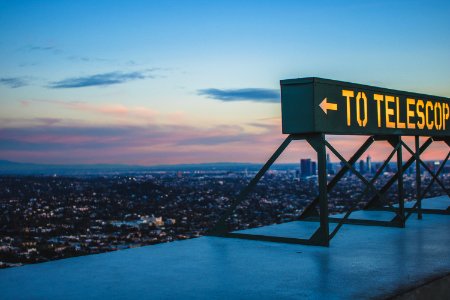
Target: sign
column 316, row 105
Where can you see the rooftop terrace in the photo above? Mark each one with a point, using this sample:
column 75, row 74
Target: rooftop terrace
column 361, row 262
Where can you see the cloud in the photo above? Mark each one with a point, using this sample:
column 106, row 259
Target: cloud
column 58, row 52
column 57, row 141
column 261, row 125
column 13, row 82
column 110, row 109
column 49, row 121
column 42, row 48
column 98, row 80
column 212, row 140
column 247, row 94
column 83, row 58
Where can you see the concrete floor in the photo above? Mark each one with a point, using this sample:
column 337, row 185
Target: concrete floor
column 362, row 262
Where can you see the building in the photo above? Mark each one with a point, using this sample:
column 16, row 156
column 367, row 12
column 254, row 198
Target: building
column 329, row 165
column 305, row 167
column 362, row 168
column 369, row 164
column 313, row 168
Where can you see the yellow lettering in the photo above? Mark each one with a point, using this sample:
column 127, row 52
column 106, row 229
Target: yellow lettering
column 446, row 113
column 438, row 116
column 389, row 111
column 410, row 113
column 361, row 96
column 399, row 124
column 420, row 114
column 378, row 98
column 348, row 94
column 428, row 107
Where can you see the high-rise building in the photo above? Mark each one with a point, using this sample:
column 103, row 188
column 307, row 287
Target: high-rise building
column 329, row 166
column 305, row 167
column 313, row 168
column 362, row 169
column 369, row 164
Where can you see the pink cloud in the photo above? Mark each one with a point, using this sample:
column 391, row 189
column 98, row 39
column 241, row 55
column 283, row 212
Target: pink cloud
column 169, row 144
column 112, row 110
column 117, row 110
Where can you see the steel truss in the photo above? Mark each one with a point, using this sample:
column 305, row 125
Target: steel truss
column 322, row 236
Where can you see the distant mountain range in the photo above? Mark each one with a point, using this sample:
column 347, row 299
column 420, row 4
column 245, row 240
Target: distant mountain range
column 16, row 168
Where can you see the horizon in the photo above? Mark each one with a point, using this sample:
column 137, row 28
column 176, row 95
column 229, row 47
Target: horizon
column 178, row 82
column 5, row 163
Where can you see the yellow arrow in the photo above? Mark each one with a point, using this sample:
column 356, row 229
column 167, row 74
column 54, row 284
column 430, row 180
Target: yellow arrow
column 324, row 105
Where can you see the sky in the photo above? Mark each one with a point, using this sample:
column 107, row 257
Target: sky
column 169, row 82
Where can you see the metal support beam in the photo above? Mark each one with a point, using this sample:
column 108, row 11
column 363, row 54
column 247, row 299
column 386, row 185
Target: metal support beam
column 425, row 191
column 352, row 168
column 321, row 236
column 318, row 143
column 374, row 202
column 420, row 194
column 400, row 191
column 345, row 219
column 429, row 170
column 310, row 209
column 269, row 238
column 418, row 178
column 395, row 142
column 221, row 226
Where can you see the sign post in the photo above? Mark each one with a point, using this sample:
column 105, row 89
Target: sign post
column 314, row 107
column 335, row 107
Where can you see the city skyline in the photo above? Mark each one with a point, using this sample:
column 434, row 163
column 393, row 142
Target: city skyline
column 175, row 82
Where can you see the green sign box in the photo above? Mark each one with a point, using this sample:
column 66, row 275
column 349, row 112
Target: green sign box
column 316, row 105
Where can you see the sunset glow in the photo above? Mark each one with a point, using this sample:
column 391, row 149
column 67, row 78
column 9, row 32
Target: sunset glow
column 168, row 82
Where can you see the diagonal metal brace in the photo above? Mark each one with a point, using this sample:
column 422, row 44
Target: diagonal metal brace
column 221, row 226
column 345, row 218
column 373, row 203
column 425, row 191
column 310, row 210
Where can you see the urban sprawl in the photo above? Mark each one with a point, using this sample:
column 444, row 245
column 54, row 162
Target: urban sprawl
column 51, row 217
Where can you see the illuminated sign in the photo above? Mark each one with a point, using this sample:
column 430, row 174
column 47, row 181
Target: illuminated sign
column 320, row 105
